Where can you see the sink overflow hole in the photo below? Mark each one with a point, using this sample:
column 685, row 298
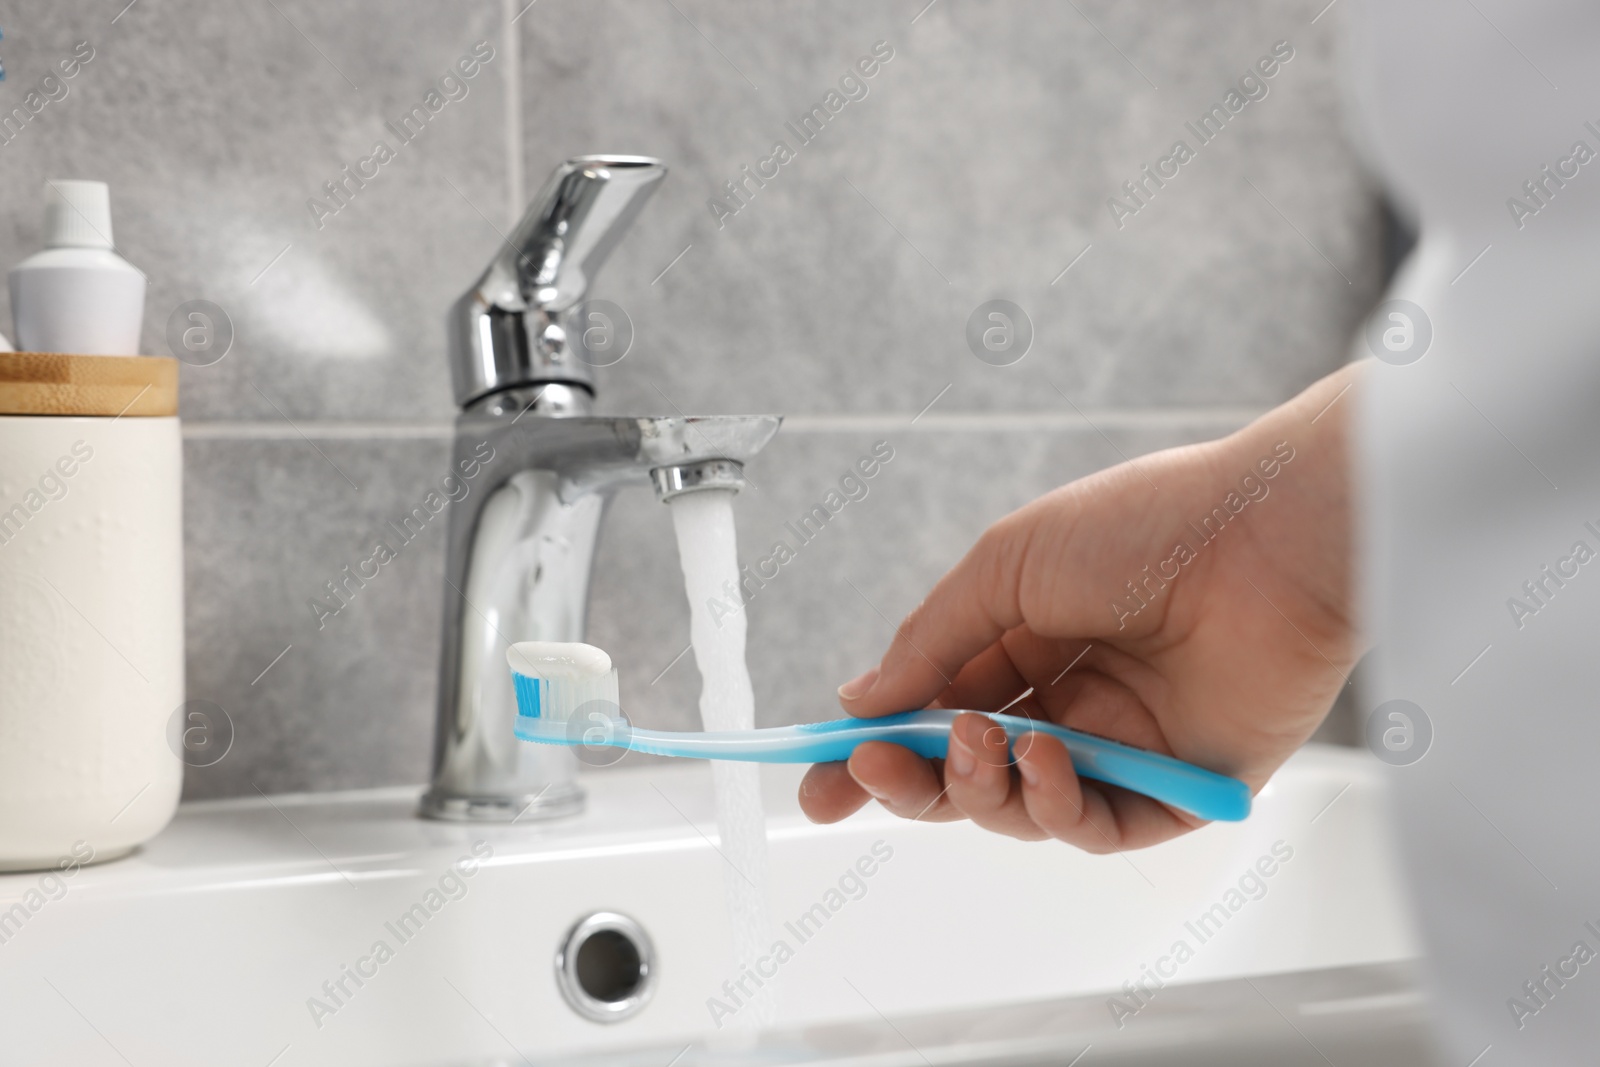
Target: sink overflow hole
column 605, row 967
column 609, row 966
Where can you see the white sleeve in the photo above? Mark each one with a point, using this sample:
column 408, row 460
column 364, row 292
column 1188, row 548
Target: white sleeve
column 1479, row 467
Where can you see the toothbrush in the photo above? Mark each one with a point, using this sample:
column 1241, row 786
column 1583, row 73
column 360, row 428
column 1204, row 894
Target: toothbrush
column 567, row 695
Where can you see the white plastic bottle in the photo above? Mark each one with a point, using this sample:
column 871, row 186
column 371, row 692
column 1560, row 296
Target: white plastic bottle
column 77, row 296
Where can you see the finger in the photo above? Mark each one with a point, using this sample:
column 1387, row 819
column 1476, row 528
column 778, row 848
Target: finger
column 978, row 775
column 1045, row 661
column 1094, row 817
column 828, row 793
column 1002, row 675
column 988, row 682
column 1096, row 704
column 902, row 781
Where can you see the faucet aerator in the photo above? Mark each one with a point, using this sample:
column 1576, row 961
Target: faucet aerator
column 727, row 474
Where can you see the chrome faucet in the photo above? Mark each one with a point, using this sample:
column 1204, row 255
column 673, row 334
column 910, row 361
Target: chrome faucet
column 521, row 542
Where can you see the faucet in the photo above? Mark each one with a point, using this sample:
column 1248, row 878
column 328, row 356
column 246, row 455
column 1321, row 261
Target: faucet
column 521, row 542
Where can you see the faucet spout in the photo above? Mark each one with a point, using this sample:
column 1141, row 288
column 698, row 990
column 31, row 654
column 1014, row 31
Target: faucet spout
column 518, row 565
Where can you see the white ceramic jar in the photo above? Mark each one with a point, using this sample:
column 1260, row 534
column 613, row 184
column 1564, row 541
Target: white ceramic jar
column 91, row 607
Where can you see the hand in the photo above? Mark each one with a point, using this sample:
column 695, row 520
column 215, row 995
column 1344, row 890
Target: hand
column 1226, row 652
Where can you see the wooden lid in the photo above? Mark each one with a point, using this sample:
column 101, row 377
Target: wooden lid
column 49, row 383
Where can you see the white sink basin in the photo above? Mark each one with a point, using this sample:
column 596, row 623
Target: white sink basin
column 209, row 945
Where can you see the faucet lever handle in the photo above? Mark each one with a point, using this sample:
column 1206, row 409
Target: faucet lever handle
column 511, row 328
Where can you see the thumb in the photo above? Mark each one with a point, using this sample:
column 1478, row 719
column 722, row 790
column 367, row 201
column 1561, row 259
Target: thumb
column 1045, row 565
column 967, row 611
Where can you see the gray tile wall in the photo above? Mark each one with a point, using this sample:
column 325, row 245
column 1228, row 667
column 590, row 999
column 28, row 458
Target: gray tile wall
column 977, row 166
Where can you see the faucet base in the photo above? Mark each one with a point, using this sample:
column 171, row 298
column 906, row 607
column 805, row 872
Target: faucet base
column 556, row 802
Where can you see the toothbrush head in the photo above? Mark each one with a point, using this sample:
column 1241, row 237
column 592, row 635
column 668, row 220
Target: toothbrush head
column 553, row 679
column 567, row 695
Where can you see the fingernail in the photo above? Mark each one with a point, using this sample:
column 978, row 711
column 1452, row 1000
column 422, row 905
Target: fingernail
column 876, row 794
column 959, row 760
column 1030, row 774
column 858, row 687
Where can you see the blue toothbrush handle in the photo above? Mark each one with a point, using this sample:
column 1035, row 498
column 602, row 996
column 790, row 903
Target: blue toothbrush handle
column 1203, row 793
column 1193, row 789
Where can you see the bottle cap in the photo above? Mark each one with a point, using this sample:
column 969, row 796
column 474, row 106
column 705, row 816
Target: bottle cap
column 77, row 214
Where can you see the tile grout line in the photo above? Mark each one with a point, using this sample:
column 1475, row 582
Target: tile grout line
column 251, row 430
column 1119, row 419
column 513, row 102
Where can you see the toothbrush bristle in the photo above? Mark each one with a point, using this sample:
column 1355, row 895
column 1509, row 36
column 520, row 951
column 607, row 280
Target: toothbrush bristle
column 529, row 702
column 553, row 680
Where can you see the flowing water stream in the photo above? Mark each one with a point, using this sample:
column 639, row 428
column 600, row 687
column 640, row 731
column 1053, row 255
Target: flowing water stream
column 709, row 556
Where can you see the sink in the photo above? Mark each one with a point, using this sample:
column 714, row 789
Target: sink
column 227, row 938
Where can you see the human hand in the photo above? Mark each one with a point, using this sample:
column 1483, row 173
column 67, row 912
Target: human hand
column 1194, row 602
